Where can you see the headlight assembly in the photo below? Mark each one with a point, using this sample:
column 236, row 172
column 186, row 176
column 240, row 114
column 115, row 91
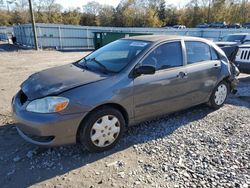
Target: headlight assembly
column 48, row 105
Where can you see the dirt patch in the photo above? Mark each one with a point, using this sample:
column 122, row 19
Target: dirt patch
column 15, row 67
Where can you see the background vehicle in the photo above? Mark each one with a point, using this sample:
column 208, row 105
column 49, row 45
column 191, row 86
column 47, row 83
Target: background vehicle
column 242, row 58
column 239, row 55
column 246, row 25
column 218, row 25
column 234, row 39
column 94, row 100
column 179, row 27
column 203, row 25
column 235, row 26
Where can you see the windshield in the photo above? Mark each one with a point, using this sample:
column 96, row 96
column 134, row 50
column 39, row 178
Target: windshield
column 233, row 38
column 113, row 57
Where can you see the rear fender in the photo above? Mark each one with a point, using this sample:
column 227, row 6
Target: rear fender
column 227, row 74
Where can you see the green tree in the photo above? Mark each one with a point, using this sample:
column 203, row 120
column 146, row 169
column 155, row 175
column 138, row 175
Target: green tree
column 172, row 15
column 88, row 19
column 72, row 17
column 20, row 17
column 162, row 11
column 5, row 18
column 152, row 20
column 92, row 7
column 130, row 13
column 106, row 16
column 118, row 19
column 218, row 10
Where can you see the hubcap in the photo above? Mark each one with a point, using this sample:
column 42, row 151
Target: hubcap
column 220, row 94
column 105, row 131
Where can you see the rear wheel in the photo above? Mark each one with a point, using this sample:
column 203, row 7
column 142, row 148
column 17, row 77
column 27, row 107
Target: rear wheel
column 102, row 129
column 219, row 95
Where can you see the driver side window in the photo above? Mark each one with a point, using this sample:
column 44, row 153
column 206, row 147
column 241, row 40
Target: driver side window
column 168, row 55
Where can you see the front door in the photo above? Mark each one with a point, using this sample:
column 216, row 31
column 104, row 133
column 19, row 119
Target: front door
column 164, row 91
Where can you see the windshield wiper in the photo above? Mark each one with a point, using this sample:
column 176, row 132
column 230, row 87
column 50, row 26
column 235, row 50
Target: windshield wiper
column 101, row 65
column 82, row 65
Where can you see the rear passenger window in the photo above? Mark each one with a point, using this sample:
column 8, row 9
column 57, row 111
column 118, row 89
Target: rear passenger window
column 197, row 52
column 214, row 54
column 167, row 55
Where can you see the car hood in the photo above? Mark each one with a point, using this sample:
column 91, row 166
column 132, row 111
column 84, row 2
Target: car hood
column 245, row 45
column 57, row 80
column 224, row 43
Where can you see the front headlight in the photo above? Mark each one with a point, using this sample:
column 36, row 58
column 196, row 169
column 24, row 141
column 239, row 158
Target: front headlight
column 48, row 105
column 238, row 53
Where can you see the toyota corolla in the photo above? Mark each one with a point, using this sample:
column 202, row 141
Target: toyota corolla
column 94, row 100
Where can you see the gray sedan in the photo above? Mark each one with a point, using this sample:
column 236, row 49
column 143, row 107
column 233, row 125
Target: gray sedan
column 94, row 100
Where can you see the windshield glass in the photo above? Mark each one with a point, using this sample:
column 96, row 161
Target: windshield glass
column 114, row 56
column 233, row 38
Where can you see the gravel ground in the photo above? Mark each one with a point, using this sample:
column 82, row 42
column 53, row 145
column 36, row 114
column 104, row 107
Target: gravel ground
column 197, row 147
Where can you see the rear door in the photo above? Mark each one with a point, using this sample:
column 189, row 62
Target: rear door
column 165, row 90
column 203, row 67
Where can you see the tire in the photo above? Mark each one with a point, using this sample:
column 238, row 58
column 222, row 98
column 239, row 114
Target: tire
column 219, row 95
column 96, row 135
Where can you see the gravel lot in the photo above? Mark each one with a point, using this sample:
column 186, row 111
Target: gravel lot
column 197, row 147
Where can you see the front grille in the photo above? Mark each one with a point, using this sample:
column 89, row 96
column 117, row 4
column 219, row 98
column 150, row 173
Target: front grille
column 243, row 55
column 23, row 97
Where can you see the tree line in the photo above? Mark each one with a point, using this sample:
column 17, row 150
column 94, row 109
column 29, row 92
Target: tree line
column 129, row 13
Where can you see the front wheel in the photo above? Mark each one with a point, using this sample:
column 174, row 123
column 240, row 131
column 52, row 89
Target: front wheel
column 219, row 95
column 102, row 129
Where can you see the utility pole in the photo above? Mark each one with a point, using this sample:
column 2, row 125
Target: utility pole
column 209, row 11
column 33, row 25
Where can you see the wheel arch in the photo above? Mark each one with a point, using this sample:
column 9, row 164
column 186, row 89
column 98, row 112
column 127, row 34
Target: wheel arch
column 225, row 74
column 227, row 80
column 113, row 105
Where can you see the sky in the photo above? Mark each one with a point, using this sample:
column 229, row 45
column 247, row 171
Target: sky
column 79, row 3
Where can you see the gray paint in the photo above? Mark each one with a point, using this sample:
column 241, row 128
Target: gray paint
column 64, row 77
column 142, row 97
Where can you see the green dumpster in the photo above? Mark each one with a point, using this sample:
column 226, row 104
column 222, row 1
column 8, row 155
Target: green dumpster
column 103, row 38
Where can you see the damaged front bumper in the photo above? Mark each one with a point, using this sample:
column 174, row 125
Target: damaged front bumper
column 52, row 129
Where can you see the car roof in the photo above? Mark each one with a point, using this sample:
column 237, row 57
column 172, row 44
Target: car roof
column 160, row 38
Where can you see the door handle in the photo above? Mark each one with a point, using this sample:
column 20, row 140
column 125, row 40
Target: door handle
column 182, row 75
column 216, row 65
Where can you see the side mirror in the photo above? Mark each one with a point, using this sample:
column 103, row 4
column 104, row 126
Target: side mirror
column 144, row 69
